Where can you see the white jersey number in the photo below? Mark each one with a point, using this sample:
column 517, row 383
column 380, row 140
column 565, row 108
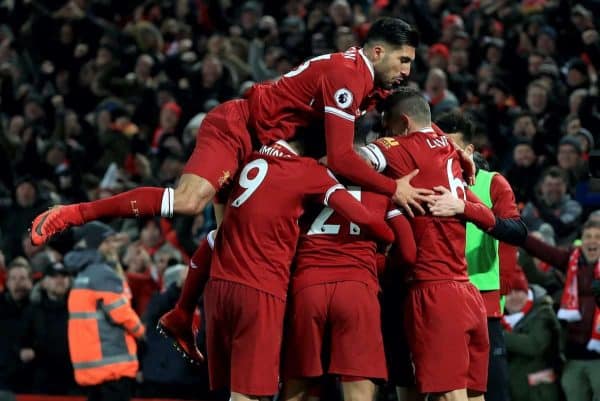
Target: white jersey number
column 305, row 65
column 319, row 227
column 251, row 184
column 455, row 182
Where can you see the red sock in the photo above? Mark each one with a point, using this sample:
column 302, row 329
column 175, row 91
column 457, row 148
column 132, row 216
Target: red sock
column 197, row 277
column 139, row 202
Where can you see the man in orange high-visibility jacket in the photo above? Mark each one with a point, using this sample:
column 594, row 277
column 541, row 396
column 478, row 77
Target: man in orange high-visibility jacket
column 103, row 327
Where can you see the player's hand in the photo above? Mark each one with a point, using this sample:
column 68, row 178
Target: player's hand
column 445, row 204
column 409, row 197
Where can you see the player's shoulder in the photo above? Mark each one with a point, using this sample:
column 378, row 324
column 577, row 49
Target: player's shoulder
column 499, row 181
column 349, row 62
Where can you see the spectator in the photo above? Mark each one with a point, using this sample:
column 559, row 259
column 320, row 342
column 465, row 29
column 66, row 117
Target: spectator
column 581, row 376
column 554, row 206
column 44, row 339
column 436, row 91
column 523, row 171
column 541, row 273
column 166, row 373
column 103, row 327
column 570, row 160
column 532, row 335
column 14, row 372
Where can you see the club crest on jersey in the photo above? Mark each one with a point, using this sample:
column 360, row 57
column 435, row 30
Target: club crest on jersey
column 388, row 142
column 224, row 178
column 343, row 98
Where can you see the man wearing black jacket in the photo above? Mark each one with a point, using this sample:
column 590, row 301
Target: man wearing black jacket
column 44, row 339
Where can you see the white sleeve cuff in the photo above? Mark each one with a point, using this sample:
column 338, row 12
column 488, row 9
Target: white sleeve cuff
column 375, row 156
column 393, row 213
column 330, row 191
column 166, row 206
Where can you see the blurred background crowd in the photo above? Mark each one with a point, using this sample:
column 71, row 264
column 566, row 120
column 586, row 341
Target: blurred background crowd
column 99, row 96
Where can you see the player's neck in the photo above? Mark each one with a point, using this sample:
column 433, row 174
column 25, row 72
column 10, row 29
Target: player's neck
column 421, row 128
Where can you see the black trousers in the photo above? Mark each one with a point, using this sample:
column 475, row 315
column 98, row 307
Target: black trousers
column 114, row 390
column 497, row 387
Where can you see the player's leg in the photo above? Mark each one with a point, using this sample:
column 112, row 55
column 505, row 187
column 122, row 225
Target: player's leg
column 177, row 324
column 479, row 343
column 222, row 143
column 217, row 312
column 358, row 389
column 475, row 395
column 257, row 327
column 438, row 338
column 408, row 394
column 355, row 324
column 454, row 395
column 307, row 316
column 296, row 389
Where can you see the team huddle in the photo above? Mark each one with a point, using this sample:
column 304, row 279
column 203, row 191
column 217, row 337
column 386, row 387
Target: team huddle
column 290, row 278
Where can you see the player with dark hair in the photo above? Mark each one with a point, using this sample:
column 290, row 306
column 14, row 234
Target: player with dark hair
column 331, row 90
column 492, row 265
column 445, row 315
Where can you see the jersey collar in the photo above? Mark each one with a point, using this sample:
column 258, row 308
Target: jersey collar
column 367, row 62
column 287, row 146
column 426, row 130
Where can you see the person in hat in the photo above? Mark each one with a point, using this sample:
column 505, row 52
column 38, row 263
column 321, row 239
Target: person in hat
column 577, row 75
column 14, row 373
column 44, row 340
column 103, row 354
column 581, row 374
column 570, row 159
column 586, row 141
column 532, row 334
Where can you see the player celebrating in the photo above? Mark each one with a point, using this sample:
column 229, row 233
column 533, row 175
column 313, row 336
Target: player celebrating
column 249, row 274
column 328, row 90
column 445, row 315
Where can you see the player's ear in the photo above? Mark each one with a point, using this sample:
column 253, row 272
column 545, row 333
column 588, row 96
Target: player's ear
column 405, row 122
column 378, row 51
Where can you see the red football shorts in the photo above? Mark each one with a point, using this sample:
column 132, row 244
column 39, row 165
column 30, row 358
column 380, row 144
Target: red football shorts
column 223, row 143
column 342, row 318
column 446, row 327
column 244, row 327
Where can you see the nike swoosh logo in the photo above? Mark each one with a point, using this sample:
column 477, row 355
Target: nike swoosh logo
column 38, row 228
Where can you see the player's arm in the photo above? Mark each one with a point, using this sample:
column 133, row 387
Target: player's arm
column 351, row 209
column 473, row 210
column 340, row 107
column 404, row 251
column 376, row 154
column 504, row 206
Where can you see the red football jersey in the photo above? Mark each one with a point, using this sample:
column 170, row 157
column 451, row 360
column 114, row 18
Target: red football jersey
column 327, row 91
column 257, row 239
column 334, row 249
column 440, row 240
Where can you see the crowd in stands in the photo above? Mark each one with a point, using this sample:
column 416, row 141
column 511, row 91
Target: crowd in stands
column 100, row 96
